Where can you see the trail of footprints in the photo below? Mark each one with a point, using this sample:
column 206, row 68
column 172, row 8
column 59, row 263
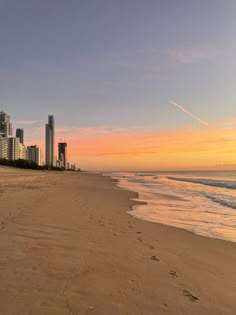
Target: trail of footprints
column 172, row 273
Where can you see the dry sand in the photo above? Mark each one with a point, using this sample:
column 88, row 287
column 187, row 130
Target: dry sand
column 67, row 246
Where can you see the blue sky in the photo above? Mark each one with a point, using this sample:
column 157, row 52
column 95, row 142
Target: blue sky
column 114, row 62
column 117, row 63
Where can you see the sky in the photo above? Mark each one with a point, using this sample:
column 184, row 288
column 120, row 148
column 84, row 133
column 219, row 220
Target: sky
column 111, row 72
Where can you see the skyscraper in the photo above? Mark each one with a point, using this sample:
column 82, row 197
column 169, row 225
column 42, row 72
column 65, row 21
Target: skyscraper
column 22, row 150
column 20, row 134
column 62, row 154
column 5, row 125
column 13, row 148
column 34, row 154
column 49, row 143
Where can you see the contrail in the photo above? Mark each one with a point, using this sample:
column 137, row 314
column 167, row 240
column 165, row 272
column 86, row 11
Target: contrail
column 188, row 113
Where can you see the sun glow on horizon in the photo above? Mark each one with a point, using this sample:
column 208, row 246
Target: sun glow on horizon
column 186, row 148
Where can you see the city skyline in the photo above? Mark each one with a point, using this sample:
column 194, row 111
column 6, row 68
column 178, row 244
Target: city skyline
column 108, row 71
column 13, row 148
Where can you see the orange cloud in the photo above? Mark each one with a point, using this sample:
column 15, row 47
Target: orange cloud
column 130, row 148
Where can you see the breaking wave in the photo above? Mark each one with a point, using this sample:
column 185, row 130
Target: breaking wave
column 209, row 182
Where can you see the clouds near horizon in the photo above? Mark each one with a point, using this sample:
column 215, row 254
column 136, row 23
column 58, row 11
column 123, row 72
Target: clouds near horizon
column 177, row 148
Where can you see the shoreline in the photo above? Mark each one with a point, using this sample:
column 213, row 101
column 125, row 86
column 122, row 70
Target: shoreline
column 68, row 245
column 148, row 219
column 137, row 203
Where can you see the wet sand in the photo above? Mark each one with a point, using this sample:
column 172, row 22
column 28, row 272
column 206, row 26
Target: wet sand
column 68, row 246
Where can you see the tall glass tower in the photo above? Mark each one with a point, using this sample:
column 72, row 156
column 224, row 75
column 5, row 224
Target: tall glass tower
column 49, row 143
column 5, row 125
column 20, row 134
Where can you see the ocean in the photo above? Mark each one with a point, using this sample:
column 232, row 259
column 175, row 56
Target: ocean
column 201, row 202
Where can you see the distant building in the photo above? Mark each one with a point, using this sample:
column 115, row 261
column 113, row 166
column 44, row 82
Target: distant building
column 22, row 151
column 73, row 167
column 13, row 150
column 5, row 125
column 34, row 154
column 62, row 154
column 20, row 134
column 3, row 148
column 49, row 141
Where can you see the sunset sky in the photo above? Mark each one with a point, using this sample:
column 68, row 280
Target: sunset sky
column 108, row 69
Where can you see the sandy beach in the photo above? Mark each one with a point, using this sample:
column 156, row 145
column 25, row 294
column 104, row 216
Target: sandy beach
column 68, row 246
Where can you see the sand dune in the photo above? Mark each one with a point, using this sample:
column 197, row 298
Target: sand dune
column 69, row 247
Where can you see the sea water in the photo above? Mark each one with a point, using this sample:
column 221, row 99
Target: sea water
column 201, row 202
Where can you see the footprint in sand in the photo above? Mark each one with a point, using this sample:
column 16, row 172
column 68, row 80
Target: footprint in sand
column 139, row 233
column 191, row 297
column 155, row 258
column 100, row 223
column 173, row 274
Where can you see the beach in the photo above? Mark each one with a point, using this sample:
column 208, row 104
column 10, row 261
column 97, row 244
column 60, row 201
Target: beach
column 68, row 246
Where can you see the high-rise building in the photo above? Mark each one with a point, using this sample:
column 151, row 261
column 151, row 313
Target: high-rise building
column 5, row 125
column 13, row 148
column 49, row 143
column 3, row 148
column 22, row 151
column 20, row 134
column 34, row 154
column 62, row 154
